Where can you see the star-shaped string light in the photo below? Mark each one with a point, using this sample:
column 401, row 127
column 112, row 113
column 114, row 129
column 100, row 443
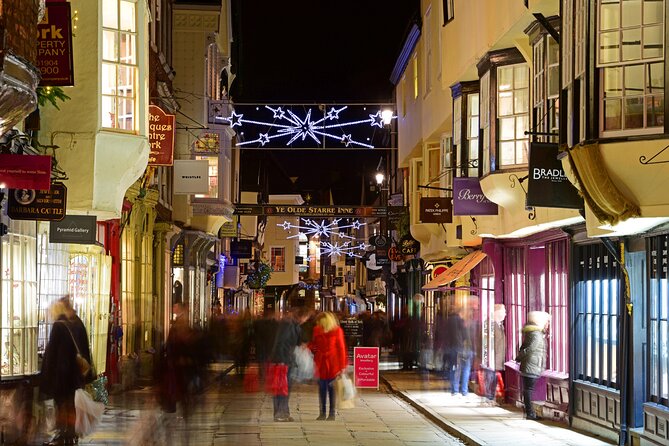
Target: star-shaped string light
column 332, row 230
column 288, row 124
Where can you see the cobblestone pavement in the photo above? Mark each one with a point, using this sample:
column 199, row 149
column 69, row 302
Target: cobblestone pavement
column 226, row 415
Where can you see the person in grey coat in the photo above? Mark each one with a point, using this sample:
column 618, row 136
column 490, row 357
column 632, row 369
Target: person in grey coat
column 532, row 356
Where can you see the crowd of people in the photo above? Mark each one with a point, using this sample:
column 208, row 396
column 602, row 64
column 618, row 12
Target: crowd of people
column 272, row 349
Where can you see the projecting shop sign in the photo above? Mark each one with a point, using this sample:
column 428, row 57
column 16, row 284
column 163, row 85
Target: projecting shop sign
column 161, row 137
column 54, row 46
column 548, row 185
column 436, row 210
column 25, row 171
column 81, row 229
column 191, row 177
column 468, row 198
column 42, row 205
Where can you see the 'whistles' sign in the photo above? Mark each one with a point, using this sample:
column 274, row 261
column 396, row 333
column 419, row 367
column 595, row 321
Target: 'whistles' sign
column 161, row 137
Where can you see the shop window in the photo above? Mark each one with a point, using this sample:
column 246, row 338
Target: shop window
column 119, row 64
column 515, row 290
column 556, row 303
column 18, row 300
column 658, row 329
column 596, row 315
column 630, row 59
column 213, row 176
column 128, row 288
column 278, row 258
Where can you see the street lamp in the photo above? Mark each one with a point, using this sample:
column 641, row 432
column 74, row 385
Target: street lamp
column 380, row 177
column 387, row 116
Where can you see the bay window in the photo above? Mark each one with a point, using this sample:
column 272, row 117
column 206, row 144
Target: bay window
column 545, row 88
column 466, row 128
column 630, row 62
column 119, row 65
column 513, row 114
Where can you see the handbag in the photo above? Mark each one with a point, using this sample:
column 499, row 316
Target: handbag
column 82, row 363
column 88, row 413
column 277, row 380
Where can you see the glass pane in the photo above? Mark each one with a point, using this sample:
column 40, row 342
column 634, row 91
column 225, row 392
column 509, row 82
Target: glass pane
column 108, row 78
column 610, row 12
column 609, row 46
column 632, row 44
column 554, row 81
column 108, row 112
column 505, row 81
column 612, row 114
column 652, row 12
column 521, row 152
column 655, row 111
column 505, row 103
column 110, row 46
column 126, row 81
column 634, row 80
column 521, row 101
column 634, row 113
column 613, row 82
column 507, row 129
column 655, row 78
column 521, row 77
column 553, row 52
column 522, row 125
column 126, row 111
column 110, row 13
column 127, row 16
column 508, row 154
column 474, row 127
column 128, row 49
column 654, row 358
column 652, row 42
column 473, row 149
column 473, row 106
column 631, row 13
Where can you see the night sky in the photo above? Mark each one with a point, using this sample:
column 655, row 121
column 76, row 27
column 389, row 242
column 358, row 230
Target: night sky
column 316, row 52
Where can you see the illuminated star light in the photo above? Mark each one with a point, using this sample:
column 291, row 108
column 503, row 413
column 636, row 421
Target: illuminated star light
column 345, row 249
column 324, row 228
column 301, row 128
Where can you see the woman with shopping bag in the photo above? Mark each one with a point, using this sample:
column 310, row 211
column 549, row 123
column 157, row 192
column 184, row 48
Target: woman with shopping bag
column 65, row 369
column 329, row 358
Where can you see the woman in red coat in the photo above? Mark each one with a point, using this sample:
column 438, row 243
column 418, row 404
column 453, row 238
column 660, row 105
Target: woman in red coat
column 329, row 358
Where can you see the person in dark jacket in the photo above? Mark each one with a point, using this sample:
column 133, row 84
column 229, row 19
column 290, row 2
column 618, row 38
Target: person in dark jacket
column 532, row 356
column 61, row 375
column 329, row 358
column 288, row 336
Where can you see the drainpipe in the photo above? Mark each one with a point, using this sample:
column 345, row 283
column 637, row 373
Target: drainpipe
column 625, row 304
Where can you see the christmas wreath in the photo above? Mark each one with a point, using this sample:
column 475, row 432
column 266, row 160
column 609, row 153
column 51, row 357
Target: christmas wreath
column 259, row 277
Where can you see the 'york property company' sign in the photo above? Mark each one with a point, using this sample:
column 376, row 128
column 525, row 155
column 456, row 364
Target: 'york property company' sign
column 54, row 46
column 548, row 185
column 468, row 198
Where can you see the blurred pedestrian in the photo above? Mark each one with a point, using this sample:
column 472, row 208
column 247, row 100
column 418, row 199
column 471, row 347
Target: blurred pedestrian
column 329, row 358
column 532, row 356
column 61, row 374
column 460, row 351
column 288, row 336
column 499, row 351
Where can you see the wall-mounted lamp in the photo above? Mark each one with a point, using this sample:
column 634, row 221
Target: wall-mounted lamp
column 380, row 177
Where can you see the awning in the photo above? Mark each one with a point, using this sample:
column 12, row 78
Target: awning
column 461, row 267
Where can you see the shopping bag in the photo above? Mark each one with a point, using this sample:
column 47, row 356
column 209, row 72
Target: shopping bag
column 304, row 368
column 277, row 380
column 344, row 392
column 49, row 415
column 88, row 413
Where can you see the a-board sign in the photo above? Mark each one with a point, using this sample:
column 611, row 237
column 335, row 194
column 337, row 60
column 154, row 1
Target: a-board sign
column 366, row 367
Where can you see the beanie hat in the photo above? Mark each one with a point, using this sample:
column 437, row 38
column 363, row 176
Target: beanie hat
column 538, row 318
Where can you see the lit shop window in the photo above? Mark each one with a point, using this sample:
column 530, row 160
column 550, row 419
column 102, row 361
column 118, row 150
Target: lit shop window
column 278, row 258
column 630, row 58
column 18, row 300
column 658, row 332
column 213, row 176
column 119, row 64
column 512, row 111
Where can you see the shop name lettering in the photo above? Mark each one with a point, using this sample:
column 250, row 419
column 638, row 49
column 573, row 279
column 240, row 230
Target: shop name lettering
column 467, row 195
column 313, row 210
column 366, row 356
column 79, row 230
column 555, row 175
column 158, row 134
column 32, row 210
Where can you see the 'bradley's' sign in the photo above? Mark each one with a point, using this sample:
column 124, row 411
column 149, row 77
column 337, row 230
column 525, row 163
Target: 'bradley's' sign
column 548, row 184
column 54, row 46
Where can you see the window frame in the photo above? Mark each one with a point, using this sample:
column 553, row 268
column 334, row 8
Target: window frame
column 657, row 248
column 462, row 94
column 117, row 96
column 275, row 253
column 448, row 10
column 427, row 39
